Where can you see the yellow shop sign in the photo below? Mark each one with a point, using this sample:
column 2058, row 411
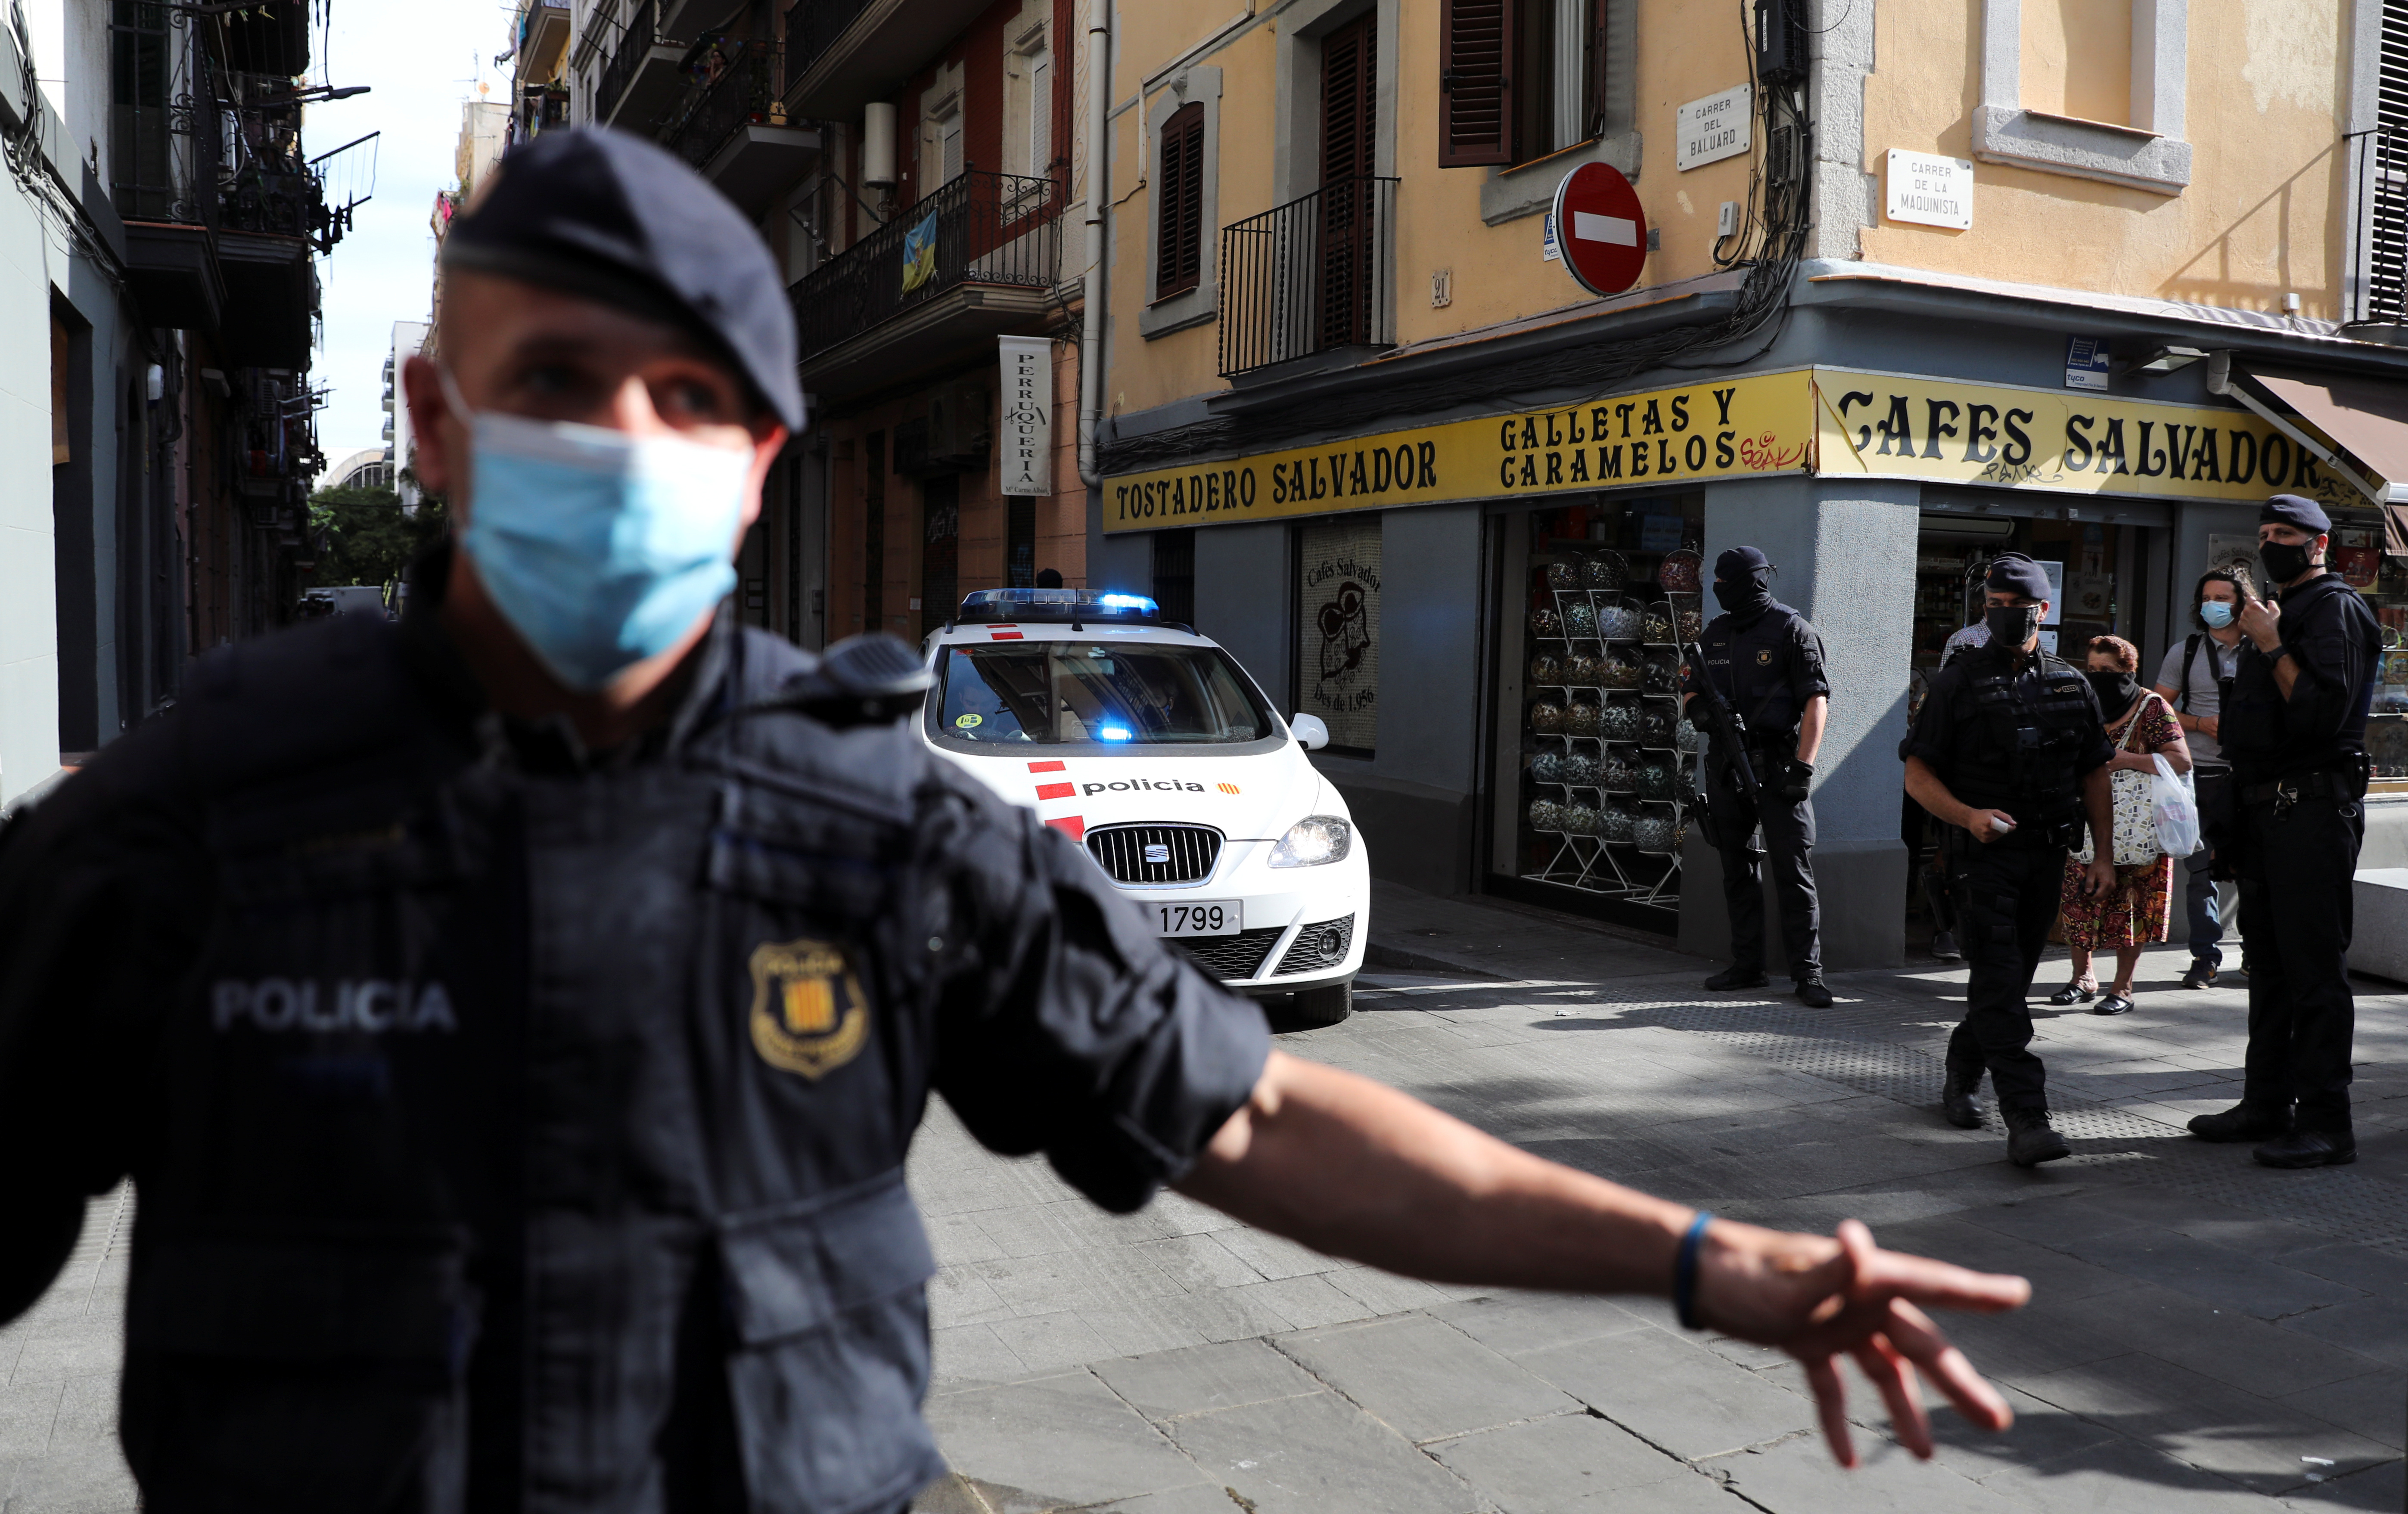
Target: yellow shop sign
column 1719, row 429
column 2063, row 441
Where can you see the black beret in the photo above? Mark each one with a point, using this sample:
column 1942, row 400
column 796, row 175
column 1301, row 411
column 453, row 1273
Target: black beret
column 615, row 219
column 2013, row 573
column 1740, row 563
column 2291, row 510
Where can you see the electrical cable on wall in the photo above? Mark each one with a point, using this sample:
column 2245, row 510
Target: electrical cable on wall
column 1770, row 246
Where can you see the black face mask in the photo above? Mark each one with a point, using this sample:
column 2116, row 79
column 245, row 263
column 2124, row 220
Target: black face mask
column 1751, row 596
column 2115, row 690
column 2283, row 561
column 2012, row 625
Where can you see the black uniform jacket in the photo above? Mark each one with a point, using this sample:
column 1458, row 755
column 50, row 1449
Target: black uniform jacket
column 517, row 1130
column 2015, row 739
column 2335, row 644
column 1768, row 668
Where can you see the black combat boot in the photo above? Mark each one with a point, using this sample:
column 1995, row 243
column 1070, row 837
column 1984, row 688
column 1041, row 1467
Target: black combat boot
column 1813, row 992
column 1737, row 976
column 2031, row 1140
column 2248, row 1121
column 1958, row 1100
column 2319, row 1136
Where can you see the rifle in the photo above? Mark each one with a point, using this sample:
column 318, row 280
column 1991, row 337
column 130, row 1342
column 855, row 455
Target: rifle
column 1725, row 724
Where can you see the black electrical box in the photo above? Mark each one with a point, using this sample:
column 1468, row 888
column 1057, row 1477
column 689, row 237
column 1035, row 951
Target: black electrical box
column 1781, row 41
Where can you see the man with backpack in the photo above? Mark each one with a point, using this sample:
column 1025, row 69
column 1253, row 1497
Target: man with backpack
column 2194, row 678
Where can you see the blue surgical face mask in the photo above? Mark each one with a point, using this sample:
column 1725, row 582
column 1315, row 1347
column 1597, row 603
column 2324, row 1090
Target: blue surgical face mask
column 599, row 547
column 2217, row 613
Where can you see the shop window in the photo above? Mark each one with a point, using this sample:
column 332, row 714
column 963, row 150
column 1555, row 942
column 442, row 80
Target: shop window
column 1179, row 231
column 941, row 535
column 1338, row 629
column 1595, row 768
column 1020, row 541
column 1174, row 575
column 2371, row 556
column 1519, row 78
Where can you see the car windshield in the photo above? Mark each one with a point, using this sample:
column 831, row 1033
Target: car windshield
column 1052, row 692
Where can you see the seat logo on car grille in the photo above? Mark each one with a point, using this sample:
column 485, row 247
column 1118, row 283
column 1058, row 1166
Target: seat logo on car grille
column 1157, row 854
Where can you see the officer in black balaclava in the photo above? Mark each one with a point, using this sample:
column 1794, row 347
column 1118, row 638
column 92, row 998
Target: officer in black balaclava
column 2010, row 753
column 2295, row 734
column 515, row 1018
column 1766, row 660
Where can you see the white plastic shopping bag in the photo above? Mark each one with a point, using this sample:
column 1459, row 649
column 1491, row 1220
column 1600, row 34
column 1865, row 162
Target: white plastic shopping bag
column 2176, row 807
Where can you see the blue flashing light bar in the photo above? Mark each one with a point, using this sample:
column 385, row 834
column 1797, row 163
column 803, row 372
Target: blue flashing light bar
column 988, row 605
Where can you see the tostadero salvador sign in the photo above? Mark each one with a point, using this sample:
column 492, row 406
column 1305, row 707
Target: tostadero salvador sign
column 1819, row 420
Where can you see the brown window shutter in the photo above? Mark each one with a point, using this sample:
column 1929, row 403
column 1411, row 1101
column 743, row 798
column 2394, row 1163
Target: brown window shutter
column 1179, row 231
column 1597, row 58
column 1475, row 82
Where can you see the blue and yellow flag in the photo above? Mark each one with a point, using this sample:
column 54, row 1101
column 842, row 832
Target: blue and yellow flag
column 920, row 254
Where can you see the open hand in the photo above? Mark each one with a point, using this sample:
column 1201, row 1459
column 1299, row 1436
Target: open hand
column 1819, row 1298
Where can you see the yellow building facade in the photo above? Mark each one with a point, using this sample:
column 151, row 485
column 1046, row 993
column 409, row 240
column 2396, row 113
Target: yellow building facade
column 1923, row 280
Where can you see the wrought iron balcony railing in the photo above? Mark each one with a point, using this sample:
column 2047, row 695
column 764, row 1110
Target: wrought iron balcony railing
column 980, row 228
column 735, row 84
column 619, row 69
column 1309, row 275
column 816, row 25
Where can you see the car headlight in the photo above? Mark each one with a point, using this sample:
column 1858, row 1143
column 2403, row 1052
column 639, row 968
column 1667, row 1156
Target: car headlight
column 1314, row 840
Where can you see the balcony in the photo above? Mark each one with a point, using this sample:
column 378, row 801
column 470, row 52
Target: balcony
column 975, row 259
column 640, row 79
column 732, row 128
column 849, row 53
column 542, row 40
column 1313, row 276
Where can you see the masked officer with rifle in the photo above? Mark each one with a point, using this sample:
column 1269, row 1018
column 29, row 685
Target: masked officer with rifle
column 2289, row 825
column 1756, row 686
column 2009, row 752
column 515, row 1020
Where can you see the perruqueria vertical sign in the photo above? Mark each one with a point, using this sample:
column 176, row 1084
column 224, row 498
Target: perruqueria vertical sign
column 1026, row 414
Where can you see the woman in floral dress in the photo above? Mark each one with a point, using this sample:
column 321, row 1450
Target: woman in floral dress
column 2134, row 914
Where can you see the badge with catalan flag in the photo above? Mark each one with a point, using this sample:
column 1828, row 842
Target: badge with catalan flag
column 809, row 1013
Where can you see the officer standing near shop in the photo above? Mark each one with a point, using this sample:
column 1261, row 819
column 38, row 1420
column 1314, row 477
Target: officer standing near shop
column 516, row 1019
column 2008, row 750
column 1766, row 662
column 2296, row 736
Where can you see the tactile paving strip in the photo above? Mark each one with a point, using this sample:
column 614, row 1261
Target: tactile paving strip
column 1848, row 1049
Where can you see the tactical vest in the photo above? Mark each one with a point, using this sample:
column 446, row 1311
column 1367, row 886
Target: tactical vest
column 2019, row 738
column 1752, row 668
column 534, row 1141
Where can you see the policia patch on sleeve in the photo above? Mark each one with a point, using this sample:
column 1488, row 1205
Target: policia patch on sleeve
column 809, row 1013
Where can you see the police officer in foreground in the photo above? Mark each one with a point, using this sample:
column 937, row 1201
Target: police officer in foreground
column 2010, row 753
column 2295, row 735
column 515, row 1018
column 1764, row 662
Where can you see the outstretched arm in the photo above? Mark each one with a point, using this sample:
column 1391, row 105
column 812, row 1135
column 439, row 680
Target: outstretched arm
column 1357, row 1169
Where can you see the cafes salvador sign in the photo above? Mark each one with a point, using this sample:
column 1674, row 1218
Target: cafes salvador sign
column 1816, row 421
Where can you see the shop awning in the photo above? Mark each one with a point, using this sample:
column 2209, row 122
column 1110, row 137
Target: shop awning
column 2366, row 417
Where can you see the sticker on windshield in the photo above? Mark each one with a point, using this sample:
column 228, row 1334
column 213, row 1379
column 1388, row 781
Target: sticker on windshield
column 966, row 721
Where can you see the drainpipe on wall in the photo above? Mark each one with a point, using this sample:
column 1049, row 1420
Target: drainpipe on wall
column 1091, row 331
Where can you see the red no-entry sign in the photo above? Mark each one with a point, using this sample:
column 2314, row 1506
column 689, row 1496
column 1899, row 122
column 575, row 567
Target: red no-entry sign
column 1600, row 228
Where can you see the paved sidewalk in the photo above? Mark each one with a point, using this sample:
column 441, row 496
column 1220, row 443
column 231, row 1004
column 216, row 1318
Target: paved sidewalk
column 2206, row 1335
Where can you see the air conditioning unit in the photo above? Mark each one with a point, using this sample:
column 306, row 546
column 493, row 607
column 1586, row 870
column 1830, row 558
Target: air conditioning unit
column 954, row 438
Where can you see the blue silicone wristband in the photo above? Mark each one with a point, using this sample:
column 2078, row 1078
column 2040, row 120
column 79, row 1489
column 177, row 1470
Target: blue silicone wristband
column 1684, row 1271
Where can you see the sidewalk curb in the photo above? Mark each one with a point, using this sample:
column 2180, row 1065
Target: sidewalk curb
column 1379, row 953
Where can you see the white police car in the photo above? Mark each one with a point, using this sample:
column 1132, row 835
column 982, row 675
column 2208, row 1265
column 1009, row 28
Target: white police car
column 1149, row 745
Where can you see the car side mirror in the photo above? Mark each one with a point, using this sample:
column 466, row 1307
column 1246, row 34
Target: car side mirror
column 1309, row 732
